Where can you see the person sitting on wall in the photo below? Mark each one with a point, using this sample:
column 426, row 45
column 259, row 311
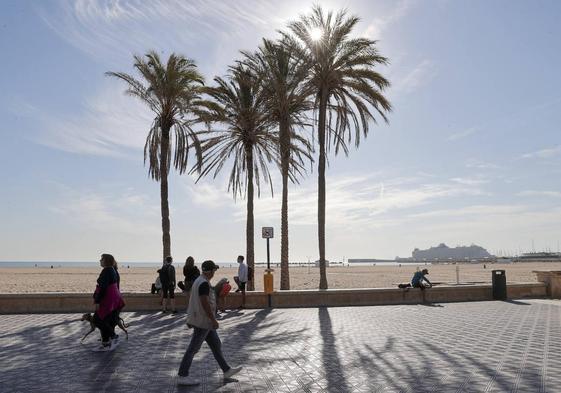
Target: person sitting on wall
column 420, row 280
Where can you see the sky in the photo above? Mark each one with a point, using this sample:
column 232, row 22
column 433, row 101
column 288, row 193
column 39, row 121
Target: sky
column 471, row 154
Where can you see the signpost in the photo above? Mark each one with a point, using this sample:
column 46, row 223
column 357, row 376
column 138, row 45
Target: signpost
column 267, row 233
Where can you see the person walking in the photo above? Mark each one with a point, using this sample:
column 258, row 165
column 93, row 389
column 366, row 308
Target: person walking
column 108, row 303
column 241, row 278
column 201, row 316
column 167, row 278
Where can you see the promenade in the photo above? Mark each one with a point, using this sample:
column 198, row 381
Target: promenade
column 454, row 347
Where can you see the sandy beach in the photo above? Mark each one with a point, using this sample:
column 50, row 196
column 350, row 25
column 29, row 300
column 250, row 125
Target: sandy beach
column 139, row 279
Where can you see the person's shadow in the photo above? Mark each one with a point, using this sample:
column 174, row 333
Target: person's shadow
column 428, row 304
column 230, row 314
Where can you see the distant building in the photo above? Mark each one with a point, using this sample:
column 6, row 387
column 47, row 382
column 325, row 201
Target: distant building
column 316, row 263
column 443, row 252
column 351, row 260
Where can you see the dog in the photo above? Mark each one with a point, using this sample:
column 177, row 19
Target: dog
column 89, row 317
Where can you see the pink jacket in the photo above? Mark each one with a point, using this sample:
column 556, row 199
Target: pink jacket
column 111, row 301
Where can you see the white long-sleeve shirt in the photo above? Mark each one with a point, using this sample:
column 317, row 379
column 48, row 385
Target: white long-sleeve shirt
column 242, row 272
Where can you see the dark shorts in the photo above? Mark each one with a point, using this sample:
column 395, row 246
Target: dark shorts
column 168, row 292
column 242, row 286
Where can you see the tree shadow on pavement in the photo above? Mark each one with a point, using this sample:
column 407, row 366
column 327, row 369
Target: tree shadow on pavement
column 243, row 345
column 334, row 373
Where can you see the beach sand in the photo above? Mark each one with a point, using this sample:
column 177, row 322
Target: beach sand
column 139, row 279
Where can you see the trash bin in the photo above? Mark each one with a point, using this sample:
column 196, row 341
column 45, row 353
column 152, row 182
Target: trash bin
column 499, row 285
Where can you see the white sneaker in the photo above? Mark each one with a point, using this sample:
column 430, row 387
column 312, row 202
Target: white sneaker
column 231, row 372
column 102, row 348
column 114, row 344
column 188, row 381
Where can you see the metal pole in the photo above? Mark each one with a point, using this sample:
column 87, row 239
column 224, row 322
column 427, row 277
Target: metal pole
column 268, row 255
column 268, row 268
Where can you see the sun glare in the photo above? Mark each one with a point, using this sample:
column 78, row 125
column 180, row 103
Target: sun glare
column 316, row 34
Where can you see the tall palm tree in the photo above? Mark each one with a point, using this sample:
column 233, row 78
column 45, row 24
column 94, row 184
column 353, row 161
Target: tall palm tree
column 286, row 101
column 248, row 140
column 173, row 92
column 348, row 89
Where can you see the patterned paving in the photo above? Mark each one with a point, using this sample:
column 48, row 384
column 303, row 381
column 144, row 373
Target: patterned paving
column 462, row 347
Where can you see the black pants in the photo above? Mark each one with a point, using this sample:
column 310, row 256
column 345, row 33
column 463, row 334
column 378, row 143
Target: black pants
column 107, row 326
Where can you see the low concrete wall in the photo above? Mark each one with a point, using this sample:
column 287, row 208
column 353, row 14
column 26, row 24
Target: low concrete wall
column 552, row 280
column 79, row 302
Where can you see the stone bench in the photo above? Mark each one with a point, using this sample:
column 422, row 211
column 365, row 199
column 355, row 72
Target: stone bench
column 81, row 302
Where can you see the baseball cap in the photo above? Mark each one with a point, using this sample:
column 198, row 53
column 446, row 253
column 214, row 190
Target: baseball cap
column 208, row 266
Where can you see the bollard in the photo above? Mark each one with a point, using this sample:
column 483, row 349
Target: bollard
column 268, row 281
column 268, row 284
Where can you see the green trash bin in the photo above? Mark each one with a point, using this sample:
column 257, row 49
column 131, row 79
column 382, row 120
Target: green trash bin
column 499, row 285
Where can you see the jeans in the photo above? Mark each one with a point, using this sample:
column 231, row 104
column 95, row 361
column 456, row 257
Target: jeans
column 213, row 341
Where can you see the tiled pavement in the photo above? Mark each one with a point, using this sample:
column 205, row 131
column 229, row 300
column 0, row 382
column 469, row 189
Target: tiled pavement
column 460, row 347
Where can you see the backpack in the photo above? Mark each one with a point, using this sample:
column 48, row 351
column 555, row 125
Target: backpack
column 164, row 275
column 226, row 288
column 249, row 274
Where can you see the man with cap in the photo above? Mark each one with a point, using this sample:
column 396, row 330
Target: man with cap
column 418, row 278
column 201, row 316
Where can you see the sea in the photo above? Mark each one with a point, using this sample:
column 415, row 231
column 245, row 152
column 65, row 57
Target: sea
column 54, row 264
column 48, row 264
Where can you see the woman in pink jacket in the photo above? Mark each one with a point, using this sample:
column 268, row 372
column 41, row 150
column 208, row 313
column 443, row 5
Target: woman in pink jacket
column 108, row 302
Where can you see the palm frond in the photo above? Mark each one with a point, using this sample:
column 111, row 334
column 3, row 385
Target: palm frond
column 174, row 92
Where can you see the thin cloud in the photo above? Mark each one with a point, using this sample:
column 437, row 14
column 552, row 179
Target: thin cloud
column 418, row 77
column 534, row 193
column 478, row 164
column 209, row 195
column 114, row 30
column 108, row 124
column 471, row 211
column 378, row 25
column 117, row 212
column 544, row 153
column 358, row 200
column 463, row 134
column 470, row 181
column 492, row 219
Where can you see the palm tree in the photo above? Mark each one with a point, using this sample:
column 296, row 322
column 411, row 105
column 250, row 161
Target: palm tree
column 286, row 101
column 248, row 139
column 172, row 91
column 348, row 89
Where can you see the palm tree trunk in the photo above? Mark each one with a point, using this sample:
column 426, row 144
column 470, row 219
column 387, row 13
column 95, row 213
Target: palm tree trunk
column 285, row 157
column 164, row 151
column 249, row 230
column 321, row 190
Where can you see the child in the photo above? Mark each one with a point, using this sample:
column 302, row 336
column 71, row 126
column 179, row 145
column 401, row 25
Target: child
column 222, row 289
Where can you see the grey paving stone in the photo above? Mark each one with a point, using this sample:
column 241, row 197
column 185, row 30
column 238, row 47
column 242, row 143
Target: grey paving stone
column 461, row 347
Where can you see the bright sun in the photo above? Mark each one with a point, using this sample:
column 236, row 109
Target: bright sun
column 316, row 34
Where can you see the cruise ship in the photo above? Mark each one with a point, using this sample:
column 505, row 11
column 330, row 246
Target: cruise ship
column 539, row 257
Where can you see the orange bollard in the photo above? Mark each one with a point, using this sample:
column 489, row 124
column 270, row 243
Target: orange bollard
column 268, row 281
